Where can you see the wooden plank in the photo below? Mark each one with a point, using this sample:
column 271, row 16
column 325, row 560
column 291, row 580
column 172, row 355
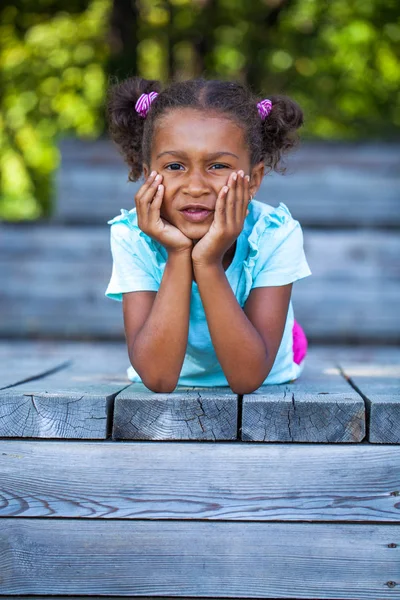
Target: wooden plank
column 22, row 361
column 379, row 385
column 113, row 597
column 294, row 413
column 199, row 481
column 92, row 184
column 12, row 374
column 374, row 371
column 186, row 414
column 179, row 558
column 314, row 408
column 354, row 274
column 76, row 402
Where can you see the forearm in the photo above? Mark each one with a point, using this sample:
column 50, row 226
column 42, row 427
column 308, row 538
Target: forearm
column 159, row 348
column 239, row 347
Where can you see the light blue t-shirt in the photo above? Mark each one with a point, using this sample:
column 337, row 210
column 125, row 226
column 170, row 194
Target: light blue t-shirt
column 269, row 252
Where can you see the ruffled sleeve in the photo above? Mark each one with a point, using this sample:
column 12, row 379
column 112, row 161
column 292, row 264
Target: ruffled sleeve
column 276, row 253
column 135, row 267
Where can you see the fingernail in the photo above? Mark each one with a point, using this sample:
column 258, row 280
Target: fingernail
column 247, row 177
column 234, row 176
column 158, row 178
column 241, row 173
column 153, row 173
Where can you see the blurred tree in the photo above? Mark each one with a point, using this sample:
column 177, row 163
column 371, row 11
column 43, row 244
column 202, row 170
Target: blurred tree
column 123, row 39
column 339, row 60
column 52, row 81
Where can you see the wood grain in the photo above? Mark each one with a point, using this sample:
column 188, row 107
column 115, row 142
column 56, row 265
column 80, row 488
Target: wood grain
column 195, row 414
column 239, row 560
column 67, row 270
column 326, row 184
column 200, row 481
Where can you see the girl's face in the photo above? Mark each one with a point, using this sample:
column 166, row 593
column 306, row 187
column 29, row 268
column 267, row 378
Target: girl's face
column 195, row 153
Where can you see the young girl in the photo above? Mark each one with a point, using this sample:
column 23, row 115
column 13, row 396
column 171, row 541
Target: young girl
column 204, row 270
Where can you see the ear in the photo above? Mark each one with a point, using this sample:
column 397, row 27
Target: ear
column 256, row 176
column 146, row 171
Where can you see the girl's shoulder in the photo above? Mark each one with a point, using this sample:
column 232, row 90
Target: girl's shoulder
column 126, row 231
column 270, row 221
column 127, row 218
column 275, row 246
column 126, row 225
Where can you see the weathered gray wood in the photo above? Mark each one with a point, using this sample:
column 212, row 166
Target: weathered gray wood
column 375, row 373
column 13, row 374
column 92, row 184
column 383, row 410
column 379, row 386
column 186, row 414
column 113, row 597
column 315, row 408
column 67, row 271
column 296, row 414
column 195, row 480
column 29, row 413
column 180, row 558
column 76, row 402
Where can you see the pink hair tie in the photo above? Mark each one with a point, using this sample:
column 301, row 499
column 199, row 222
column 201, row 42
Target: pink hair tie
column 142, row 106
column 264, row 108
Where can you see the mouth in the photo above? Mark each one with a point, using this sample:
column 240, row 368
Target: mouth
column 196, row 214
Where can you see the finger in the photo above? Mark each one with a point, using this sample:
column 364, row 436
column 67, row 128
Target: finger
column 148, row 194
column 146, row 199
column 219, row 211
column 143, row 189
column 247, row 196
column 231, row 201
column 155, row 205
column 239, row 198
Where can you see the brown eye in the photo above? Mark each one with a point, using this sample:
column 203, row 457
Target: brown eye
column 173, row 165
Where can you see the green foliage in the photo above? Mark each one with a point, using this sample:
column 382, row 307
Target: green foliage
column 338, row 58
column 344, row 66
column 52, row 82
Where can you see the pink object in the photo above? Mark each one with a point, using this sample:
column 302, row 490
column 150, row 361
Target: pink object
column 264, row 108
column 300, row 343
column 143, row 104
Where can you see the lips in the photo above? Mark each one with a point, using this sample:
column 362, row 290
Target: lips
column 196, row 213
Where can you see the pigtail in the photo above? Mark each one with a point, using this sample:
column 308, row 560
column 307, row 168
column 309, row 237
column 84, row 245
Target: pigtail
column 279, row 130
column 125, row 125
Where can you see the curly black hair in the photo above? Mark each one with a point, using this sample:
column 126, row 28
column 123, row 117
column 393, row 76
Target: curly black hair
column 266, row 139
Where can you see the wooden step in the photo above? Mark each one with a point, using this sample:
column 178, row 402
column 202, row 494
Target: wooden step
column 57, row 276
column 326, row 185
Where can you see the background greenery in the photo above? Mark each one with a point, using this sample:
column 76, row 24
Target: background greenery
column 339, row 59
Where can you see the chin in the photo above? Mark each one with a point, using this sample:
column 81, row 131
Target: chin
column 195, row 231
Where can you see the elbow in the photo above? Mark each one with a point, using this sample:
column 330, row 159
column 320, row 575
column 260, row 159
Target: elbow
column 248, row 387
column 159, row 386
column 242, row 390
column 161, row 389
column 153, row 381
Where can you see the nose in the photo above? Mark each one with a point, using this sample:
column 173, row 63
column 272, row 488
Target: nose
column 196, row 185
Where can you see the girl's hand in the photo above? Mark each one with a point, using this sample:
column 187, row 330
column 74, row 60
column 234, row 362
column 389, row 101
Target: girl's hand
column 148, row 202
column 229, row 216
